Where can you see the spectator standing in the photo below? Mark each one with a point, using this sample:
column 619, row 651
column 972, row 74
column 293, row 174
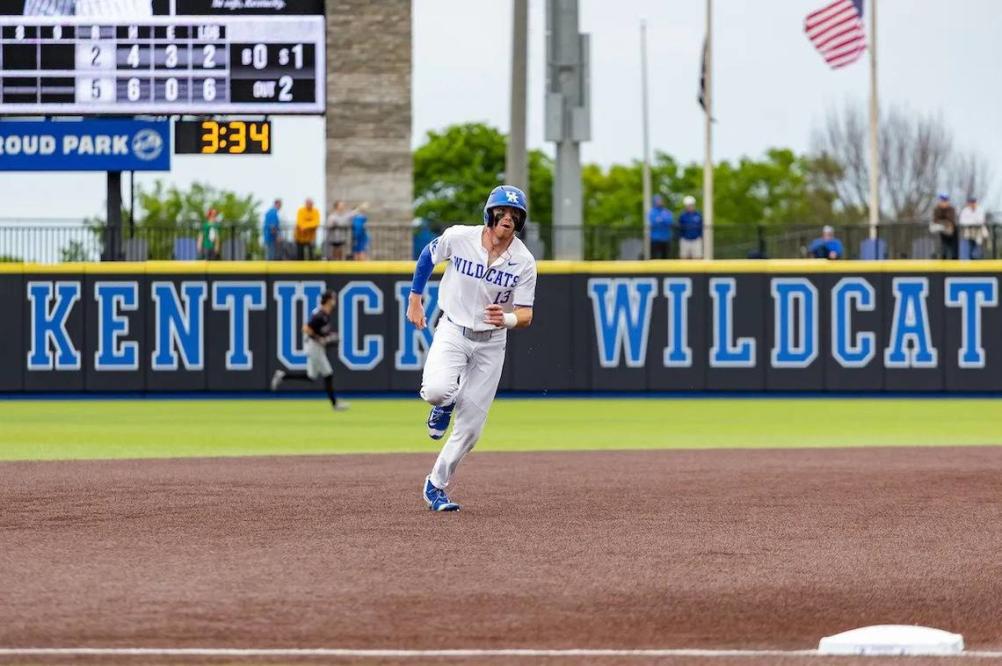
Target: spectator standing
column 944, row 221
column 359, row 236
column 973, row 232
column 660, row 220
column 422, row 236
column 826, row 247
column 208, row 236
column 338, row 228
column 271, row 231
column 307, row 221
column 690, row 230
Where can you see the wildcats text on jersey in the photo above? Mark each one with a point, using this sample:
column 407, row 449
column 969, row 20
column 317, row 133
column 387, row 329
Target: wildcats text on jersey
column 481, row 272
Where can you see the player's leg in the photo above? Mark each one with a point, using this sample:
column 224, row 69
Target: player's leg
column 446, row 362
column 479, row 386
column 318, row 366
column 339, row 404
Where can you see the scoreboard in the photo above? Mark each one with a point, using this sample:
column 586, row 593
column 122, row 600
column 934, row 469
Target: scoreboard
column 162, row 65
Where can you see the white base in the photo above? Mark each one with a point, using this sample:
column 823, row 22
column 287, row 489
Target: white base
column 893, row 639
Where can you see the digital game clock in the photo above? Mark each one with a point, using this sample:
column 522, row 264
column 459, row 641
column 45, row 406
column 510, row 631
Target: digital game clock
column 222, row 137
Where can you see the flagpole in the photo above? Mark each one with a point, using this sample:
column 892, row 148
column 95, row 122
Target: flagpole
column 708, row 148
column 647, row 151
column 874, row 122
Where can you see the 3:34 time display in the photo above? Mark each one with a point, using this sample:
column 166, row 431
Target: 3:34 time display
column 222, row 137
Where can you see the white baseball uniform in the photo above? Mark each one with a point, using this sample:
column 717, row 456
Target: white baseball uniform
column 467, row 354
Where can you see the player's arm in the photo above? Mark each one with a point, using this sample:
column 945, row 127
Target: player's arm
column 520, row 318
column 433, row 252
column 313, row 329
column 309, row 332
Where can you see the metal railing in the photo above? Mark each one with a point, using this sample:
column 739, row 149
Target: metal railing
column 55, row 241
column 895, row 240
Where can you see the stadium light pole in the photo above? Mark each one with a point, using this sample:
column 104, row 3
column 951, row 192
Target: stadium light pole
column 708, row 147
column 567, row 121
column 647, row 145
column 874, row 123
column 516, row 163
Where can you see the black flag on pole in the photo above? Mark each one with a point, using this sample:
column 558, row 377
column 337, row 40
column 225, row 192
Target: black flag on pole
column 702, row 83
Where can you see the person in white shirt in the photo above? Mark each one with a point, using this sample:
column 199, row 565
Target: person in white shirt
column 973, row 232
column 338, row 230
column 488, row 288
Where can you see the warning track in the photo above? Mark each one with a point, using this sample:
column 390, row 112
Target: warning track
column 717, row 550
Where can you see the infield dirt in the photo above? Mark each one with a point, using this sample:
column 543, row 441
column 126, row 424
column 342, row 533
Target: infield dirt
column 631, row 549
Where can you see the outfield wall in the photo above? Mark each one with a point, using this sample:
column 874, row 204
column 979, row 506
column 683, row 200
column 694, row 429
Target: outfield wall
column 602, row 326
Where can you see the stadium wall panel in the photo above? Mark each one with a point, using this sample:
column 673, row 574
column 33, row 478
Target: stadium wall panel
column 114, row 307
column 11, row 330
column 53, row 336
column 972, row 373
column 600, row 326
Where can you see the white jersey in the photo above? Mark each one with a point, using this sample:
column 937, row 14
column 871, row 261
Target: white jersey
column 470, row 285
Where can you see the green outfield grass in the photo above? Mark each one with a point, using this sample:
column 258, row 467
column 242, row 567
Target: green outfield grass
column 58, row 429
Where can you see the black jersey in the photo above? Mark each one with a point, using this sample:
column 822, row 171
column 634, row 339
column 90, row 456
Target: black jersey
column 320, row 323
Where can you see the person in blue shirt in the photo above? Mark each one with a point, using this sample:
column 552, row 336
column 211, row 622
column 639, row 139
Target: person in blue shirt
column 422, row 236
column 826, row 247
column 690, row 229
column 660, row 220
column 359, row 236
column 271, row 231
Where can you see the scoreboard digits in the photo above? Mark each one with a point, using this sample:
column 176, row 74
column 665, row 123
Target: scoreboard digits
column 162, row 65
column 222, row 137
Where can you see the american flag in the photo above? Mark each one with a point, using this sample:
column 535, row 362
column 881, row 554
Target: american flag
column 837, row 32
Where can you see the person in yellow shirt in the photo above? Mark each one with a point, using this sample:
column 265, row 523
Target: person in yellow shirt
column 307, row 221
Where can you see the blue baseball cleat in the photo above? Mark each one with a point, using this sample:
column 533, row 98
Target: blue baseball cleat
column 438, row 421
column 436, row 499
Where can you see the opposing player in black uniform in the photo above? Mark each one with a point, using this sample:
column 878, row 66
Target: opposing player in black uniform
column 318, row 335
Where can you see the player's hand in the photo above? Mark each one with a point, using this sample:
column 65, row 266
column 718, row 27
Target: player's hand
column 494, row 315
column 415, row 311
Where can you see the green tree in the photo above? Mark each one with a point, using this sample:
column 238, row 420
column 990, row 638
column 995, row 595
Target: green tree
column 778, row 190
column 165, row 212
column 74, row 251
column 456, row 168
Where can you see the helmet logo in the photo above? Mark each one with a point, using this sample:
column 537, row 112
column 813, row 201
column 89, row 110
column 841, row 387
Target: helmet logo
column 512, row 197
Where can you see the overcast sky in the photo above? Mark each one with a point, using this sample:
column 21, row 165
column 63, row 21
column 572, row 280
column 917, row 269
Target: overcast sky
column 771, row 88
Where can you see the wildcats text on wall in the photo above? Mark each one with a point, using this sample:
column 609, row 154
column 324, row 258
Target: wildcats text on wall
column 723, row 326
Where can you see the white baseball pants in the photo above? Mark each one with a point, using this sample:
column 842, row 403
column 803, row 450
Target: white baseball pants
column 690, row 249
column 465, row 371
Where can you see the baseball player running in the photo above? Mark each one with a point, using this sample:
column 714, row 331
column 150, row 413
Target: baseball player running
column 318, row 335
column 488, row 287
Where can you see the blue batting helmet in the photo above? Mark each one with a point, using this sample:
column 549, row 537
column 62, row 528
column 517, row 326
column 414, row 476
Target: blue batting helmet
column 506, row 195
